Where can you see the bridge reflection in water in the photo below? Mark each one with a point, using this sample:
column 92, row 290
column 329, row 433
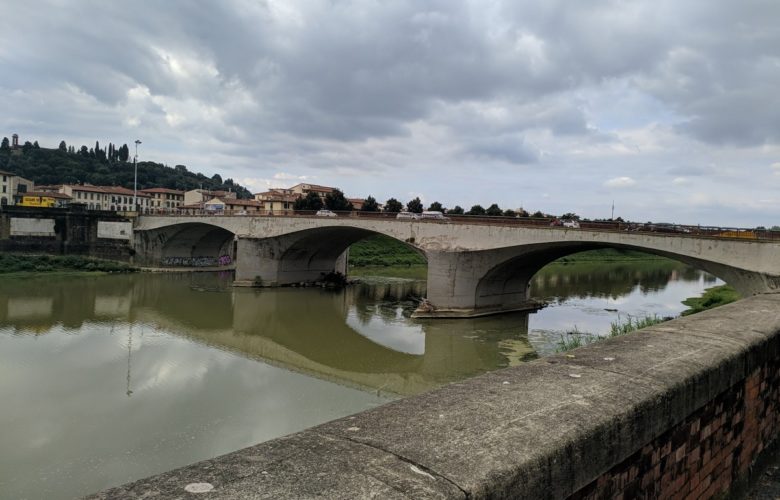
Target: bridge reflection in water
column 359, row 337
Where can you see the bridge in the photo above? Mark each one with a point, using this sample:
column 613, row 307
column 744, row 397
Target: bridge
column 475, row 267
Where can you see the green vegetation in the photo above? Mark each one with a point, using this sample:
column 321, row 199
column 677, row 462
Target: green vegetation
column 13, row 264
column 112, row 166
column 575, row 338
column 607, row 255
column 712, row 297
column 383, row 251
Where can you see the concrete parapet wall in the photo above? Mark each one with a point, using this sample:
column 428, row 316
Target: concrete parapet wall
column 681, row 409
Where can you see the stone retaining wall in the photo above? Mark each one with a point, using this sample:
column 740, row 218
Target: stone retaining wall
column 681, row 409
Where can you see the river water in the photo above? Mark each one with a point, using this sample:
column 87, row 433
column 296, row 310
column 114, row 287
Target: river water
column 108, row 379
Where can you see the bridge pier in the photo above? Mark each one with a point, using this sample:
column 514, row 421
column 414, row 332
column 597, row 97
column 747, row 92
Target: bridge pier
column 272, row 262
column 466, row 285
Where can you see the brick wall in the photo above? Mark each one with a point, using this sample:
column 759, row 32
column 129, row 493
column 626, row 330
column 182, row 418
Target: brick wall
column 708, row 452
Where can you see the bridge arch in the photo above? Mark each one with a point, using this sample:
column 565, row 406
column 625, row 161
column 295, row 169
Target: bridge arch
column 302, row 256
column 189, row 244
column 509, row 280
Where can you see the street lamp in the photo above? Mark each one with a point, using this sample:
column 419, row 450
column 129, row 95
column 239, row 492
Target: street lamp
column 135, row 181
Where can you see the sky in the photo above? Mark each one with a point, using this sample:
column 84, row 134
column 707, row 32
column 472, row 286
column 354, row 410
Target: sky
column 668, row 109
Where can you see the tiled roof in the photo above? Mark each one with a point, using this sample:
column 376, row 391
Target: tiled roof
column 162, row 190
column 61, row 196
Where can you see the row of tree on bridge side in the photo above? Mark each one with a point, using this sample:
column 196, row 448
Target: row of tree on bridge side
column 336, row 201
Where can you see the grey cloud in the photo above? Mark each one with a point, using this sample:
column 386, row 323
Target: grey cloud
column 509, row 149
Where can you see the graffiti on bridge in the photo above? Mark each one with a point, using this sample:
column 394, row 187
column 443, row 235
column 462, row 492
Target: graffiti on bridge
column 222, row 260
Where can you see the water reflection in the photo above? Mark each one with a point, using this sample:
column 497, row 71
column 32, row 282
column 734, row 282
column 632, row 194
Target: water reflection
column 361, row 336
column 108, row 379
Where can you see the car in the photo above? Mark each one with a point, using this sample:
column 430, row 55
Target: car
column 433, row 214
column 565, row 223
column 324, row 212
column 407, row 215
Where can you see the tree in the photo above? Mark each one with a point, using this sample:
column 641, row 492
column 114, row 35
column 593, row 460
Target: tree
column 494, row 210
column 393, row 206
column 510, row 213
column 124, row 153
column 370, row 205
column 27, row 146
column 436, row 207
column 63, row 146
column 311, row 201
column 217, row 178
column 35, row 145
column 336, row 201
column 84, row 151
column 457, row 210
column 415, row 206
column 522, row 213
column 6, row 144
column 476, row 210
column 538, row 214
column 570, row 216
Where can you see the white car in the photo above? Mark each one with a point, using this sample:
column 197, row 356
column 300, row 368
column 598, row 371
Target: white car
column 324, row 212
column 433, row 214
column 407, row 215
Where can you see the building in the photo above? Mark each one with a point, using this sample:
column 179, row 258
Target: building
column 11, row 185
column 277, row 201
column 201, row 196
column 304, row 189
column 164, row 198
column 113, row 198
column 15, row 141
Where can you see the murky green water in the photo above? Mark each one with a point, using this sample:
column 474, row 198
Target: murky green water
column 108, row 379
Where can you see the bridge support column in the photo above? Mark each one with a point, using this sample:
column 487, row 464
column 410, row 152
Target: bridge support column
column 268, row 262
column 462, row 285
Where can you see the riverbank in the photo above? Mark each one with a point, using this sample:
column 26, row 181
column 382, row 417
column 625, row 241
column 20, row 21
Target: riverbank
column 22, row 265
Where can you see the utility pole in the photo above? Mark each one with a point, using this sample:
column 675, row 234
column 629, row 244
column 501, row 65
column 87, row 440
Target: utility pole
column 135, row 181
column 613, row 210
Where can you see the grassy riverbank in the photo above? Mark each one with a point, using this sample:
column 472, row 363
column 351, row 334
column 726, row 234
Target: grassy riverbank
column 383, row 251
column 24, row 265
column 712, row 297
column 621, row 326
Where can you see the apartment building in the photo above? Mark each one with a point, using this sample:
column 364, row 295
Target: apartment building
column 12, row 185
column 162, row 198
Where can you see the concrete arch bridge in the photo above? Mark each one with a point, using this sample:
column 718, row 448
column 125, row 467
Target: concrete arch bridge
column 473, row 268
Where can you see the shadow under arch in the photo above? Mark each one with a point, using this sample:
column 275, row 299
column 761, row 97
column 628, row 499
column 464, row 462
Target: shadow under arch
column 189, row 244
column 509, row 281
column 301, row 257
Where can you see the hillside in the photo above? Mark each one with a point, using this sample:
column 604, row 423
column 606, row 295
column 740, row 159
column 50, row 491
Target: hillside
column 63, row 166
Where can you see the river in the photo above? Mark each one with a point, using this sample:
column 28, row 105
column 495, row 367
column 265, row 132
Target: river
column 107, row 379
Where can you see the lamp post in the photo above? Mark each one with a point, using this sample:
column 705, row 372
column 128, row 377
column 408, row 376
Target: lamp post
column 135, row 181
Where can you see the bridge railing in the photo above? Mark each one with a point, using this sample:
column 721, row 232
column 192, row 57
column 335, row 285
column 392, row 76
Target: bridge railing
column 547, row 222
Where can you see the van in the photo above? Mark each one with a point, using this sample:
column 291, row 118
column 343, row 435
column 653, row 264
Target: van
column 433, row 214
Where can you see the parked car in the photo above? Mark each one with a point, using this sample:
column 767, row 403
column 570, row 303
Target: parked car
column 407, row 215
column 324, row 212
column 433, row 214
column 565, row 223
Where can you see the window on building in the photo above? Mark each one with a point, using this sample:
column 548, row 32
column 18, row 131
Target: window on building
column 4, row 188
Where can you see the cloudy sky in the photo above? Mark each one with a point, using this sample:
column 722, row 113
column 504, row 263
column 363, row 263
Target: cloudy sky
column 669, row 108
